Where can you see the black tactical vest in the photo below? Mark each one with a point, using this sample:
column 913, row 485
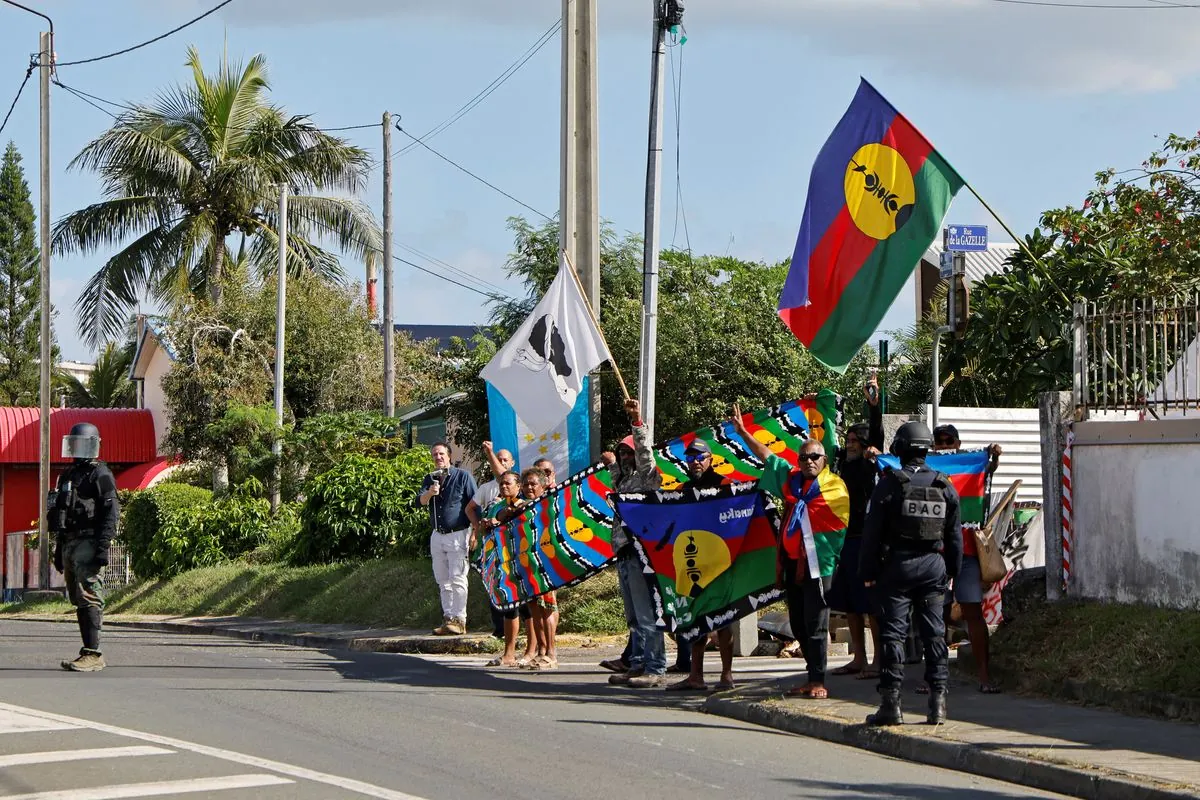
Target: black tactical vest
column 922, row 507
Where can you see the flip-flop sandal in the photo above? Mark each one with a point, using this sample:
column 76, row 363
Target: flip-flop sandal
column 990, row 688
column 847, row 670
column 799, row 691
column 866, row 675
column 725, row 686
column 685, row 686
column 496, row 662
column 818, row 693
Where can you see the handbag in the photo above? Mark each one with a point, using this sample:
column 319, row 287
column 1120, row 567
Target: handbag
column 992, row 568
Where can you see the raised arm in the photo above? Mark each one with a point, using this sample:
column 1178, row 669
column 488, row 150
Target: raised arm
column 758, row 448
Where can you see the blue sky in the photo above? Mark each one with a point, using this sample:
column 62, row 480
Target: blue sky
column 1027, row 102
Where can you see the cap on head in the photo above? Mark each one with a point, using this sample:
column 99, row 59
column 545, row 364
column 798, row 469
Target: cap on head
column 82, row 443
column 913, row 440
column 627, row 442
column 861, row 431
column 948, row 431
column 698, row 446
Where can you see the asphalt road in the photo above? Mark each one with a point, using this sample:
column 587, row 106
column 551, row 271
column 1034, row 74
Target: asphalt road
column 210, row 717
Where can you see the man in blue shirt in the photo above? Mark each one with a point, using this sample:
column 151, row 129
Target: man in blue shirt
column 446, row 492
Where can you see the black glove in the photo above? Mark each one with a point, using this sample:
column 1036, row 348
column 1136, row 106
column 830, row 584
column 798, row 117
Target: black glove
column 58, row 555
column 101, row 557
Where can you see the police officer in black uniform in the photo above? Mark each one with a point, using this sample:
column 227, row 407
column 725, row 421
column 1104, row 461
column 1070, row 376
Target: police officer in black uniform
column 84, row 512
column 911, row 548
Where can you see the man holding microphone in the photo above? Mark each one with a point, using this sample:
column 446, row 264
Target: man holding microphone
column 446, row 492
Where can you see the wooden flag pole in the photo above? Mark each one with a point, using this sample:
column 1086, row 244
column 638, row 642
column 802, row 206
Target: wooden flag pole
column 591, row 313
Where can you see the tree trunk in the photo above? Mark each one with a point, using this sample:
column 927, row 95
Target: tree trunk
column 220, row 479
column 215, row 269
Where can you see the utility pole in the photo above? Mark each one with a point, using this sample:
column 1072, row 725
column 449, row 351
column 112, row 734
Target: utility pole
column 280, row 330
column 389, row 353
column 46, row 67
column 667, row 14
column 579, row 190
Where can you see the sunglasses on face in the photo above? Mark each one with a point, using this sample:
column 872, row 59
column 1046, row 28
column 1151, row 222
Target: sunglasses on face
column 694, row 457
column 943, row 442
column 811, row 456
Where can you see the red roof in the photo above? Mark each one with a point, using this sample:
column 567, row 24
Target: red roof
column 126, row 434
column 142, row 475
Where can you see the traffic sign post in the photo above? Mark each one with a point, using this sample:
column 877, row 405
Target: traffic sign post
column 966, row 238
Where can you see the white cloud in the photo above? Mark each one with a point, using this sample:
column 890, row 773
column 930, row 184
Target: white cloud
column 978, row 42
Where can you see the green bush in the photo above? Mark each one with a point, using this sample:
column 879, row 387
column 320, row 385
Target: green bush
column 145, row 514
column 363, row 508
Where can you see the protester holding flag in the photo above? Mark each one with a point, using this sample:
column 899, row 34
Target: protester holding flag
column 636, row 471
column 510, row 495
column 855, row 464
column 703, row 476
column 446, row 492
column 500, row 462
column 816, row 513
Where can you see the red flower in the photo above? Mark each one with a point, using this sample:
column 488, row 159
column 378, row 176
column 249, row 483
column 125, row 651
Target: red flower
column 1137, row 209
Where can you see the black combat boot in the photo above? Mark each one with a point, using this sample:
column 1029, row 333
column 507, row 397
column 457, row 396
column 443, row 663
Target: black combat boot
column 889, row 711
column 937, row 708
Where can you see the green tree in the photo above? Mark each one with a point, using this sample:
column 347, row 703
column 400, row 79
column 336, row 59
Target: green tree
column 201, row 163
column 107, row 386
column 719, row 338
column 20, row 315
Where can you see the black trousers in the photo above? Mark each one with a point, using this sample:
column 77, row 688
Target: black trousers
column 808, row 614
column 915, row 583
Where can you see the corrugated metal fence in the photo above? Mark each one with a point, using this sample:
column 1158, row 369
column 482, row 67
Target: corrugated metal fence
column 1017, row 431
column 21, row 565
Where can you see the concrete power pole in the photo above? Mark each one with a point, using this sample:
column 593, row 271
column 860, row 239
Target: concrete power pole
column 666, row 14
column 579, row 191
column 46, row 62
column 388, row 326
column 280, row 330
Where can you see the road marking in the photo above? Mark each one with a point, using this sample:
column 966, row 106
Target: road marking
column 16, row 722
column 57, row 756
column 349, row 784
column 190, row 786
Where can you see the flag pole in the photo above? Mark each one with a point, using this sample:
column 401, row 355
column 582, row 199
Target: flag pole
column 588, row 305
column 1020, row 242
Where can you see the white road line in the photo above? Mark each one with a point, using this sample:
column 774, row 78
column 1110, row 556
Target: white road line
column 15, row 722
column 301, row 773
column 157, row 788
column 58, row 756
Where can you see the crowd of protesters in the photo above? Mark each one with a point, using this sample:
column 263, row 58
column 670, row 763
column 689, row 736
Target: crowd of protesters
column 460, row 512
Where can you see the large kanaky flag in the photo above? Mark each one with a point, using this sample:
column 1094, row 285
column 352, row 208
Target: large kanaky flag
column 876, row 199
column 541, row 369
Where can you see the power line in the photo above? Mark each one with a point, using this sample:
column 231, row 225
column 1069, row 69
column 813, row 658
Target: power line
column 511, row 70
column 503, row 299
column 677, row 89
column 20, row 89
column 460, row 272
column 461, row 168
column 158, row 38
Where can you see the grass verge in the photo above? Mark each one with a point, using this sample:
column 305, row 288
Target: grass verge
column 387, row 593
column 1138, row 659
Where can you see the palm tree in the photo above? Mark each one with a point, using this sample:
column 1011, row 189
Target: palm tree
column 108, row 385
column 181, row 176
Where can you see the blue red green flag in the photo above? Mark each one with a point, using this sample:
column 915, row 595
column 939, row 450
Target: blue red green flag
column 876, row 198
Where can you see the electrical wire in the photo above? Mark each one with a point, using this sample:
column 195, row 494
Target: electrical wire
column 461, row 168
column 503, row 299
column 511, row 70
column 677, row 90
column 158, row 38
column 460, row 272
column 20, row 89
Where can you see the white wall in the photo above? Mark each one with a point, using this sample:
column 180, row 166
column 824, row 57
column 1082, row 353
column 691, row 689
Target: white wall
column 153, row 397
column 1136, row 512
column 1017, row 431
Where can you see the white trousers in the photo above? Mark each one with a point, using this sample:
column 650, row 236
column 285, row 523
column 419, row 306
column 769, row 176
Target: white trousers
column 449, row 552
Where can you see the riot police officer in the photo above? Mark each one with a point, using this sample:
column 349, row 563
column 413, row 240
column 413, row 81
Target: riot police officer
column 911, row 548
column 84, row 512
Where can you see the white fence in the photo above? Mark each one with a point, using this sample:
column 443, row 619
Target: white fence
column 22, row 565
column 1017, row 431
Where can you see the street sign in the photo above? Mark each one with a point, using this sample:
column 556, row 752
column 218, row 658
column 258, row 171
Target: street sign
column 946, row 266
column 967, row 238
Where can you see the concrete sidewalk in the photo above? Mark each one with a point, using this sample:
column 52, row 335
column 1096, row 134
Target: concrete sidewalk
column 1056, row 747
column 1051, row 746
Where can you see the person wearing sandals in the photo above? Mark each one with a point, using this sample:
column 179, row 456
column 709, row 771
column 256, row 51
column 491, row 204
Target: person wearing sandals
column 911, row 547
column 701, row 475
column 855, row 463
column 510, row 494
column 807, row 585
column 500, row 462
column 968, row 588
column 543, row 610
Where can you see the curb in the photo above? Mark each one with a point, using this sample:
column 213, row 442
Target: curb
column 410, row 645
column 947, row 753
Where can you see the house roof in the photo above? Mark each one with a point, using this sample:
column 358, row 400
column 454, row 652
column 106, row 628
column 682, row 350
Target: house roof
column 981, row 264
column 442, row 333
column 126, row 434
column 143, row 476
column 154, row 337
column 428, row 404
